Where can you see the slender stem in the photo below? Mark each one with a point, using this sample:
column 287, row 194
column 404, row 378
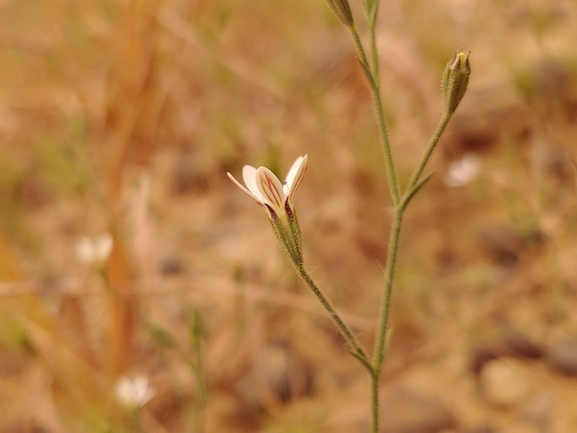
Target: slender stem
column 196, row 366
column 393, row 184
column 200, row 376
column 374, row 403
column 434, row 140
column 375, row 86
column 345, row 330
column 359, row 45
column 380, row 341
column 380, row 113
column 379, row 351
column 374, row 55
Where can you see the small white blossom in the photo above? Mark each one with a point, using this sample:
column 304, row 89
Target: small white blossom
column 94, row 251
column 463, row 171
column 268, row 191
column 134, row 392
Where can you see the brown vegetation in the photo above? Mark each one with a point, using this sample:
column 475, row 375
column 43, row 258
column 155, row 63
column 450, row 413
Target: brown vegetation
column 123, row 117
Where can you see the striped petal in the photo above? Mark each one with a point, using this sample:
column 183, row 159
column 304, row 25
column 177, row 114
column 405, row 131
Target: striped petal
column 294, row 177
column 242, row 187
column 249, row 177
column 271, row 188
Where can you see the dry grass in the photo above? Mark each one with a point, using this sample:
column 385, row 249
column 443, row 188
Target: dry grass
column 124, row 116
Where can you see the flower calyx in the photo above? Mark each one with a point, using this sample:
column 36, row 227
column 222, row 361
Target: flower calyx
column 455, row 80
column 342, row 10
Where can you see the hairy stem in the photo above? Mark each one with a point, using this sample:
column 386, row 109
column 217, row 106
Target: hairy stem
column 359, row 46
column 427, row 155
column 379, row 350
column 343, row 328
column 374, row 85
column 374, row 55
column 374, row 403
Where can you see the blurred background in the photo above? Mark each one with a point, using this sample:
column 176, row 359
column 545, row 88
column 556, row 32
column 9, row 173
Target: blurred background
column 128, row 257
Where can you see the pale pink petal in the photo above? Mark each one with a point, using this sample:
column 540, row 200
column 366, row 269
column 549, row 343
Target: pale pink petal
column 231, row 177
column 271, row 188
column 291, row 174
column 249, row 177
column 295, row 176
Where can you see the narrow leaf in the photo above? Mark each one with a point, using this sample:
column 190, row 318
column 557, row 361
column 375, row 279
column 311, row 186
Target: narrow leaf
column 414, row 190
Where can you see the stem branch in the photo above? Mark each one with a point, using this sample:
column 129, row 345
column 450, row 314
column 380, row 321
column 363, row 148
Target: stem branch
column 432, row 144
column 374, row 85
column 345, row 330
column 374, row 54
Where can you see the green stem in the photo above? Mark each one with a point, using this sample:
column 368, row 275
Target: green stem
column 200, row 376
column 380, row 341
column 347, row 333
column 135, row 424
column 359, row 45
column 374, row 85
column 374, row 55
column 374, row 403
column 379, row 351
column 432, row 144
column 197, row 370
column 394, row 187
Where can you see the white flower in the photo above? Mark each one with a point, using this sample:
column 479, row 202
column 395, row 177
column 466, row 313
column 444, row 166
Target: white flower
column 94, row 251
column 463, row 171
column 134, row 392
column 268, row 191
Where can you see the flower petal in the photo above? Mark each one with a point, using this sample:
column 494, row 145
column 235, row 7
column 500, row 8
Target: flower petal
column 290, row 177
column 295, row 176
column 85, row 250
column 271, row 188
column 249, row 176
column 134, row 392
column 140, row 385
column 242, row 187
column 103, row 247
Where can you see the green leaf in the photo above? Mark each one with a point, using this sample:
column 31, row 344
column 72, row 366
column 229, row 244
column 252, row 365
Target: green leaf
column 414, row 190
column 161, row 335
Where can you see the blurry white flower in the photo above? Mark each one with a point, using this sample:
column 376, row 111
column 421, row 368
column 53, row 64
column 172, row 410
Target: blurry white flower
column 463, row 171
column 268, row 191
column 94, row 251
column 134, row 392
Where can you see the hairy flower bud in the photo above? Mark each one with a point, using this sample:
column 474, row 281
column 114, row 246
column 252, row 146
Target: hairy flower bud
column 342, row 10
column 455, row 80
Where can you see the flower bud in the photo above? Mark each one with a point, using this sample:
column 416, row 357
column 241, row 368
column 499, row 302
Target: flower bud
column 342, row 10
column 455, row 80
